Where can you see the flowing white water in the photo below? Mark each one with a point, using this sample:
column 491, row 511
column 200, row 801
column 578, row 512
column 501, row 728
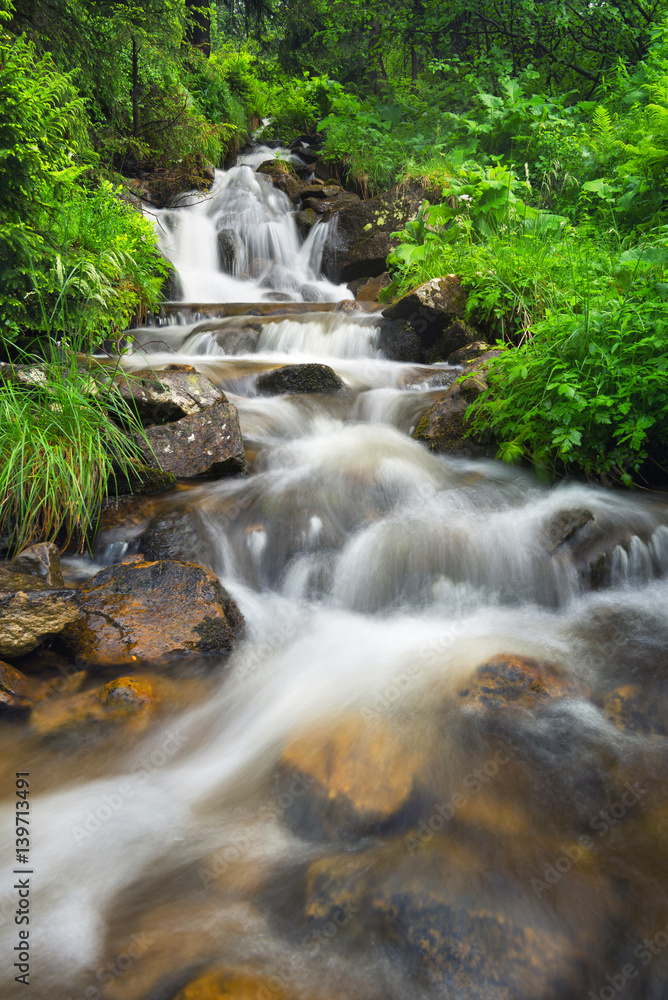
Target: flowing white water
column 374, row 578
column 239, row 243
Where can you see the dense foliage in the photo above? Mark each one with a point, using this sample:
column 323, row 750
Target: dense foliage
column 540, row 132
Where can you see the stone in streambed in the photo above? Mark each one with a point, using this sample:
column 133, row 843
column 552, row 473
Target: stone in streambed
column 31, row 609
column 398, row 341
column 205, row 444
column 299, row 379
column 18, row 692
column 450, row 915
column 176, row 533
column 508, row 680
column 430, row 308
column 230, row 249
column 634, row 709
column 443, row 428
column 362, row 776
column 126, row 699
column 153, row 611
column 283, row 176
column 239, row 340
column 235, row 984
column 163, row 397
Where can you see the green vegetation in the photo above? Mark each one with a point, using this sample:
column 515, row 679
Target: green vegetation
column 539, row 134
column 61, row 451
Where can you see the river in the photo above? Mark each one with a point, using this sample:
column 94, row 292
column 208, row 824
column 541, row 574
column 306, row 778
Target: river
column 348, row 808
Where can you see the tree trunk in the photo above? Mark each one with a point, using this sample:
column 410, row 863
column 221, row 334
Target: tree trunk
column 414, row 67
column 135, row 89
column 199, row 25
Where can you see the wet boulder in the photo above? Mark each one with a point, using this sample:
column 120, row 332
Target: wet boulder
column 283, row 176
column 509, row 680
column 31, row 607
column 431, row 913
column 635, row 709
column 398, row 340
column 230, row 249
column 364, row 232
column 237, row 340
column 176, row 533
column 444, row 427
column 42, row 561
column 153, row 611
column 362, row 777
column 131, row 699
column 235, row 984
column 305, row 220
column 430, row 309
column 205, row 444
column 299, row 379
column 175, row 392
column 18, row 692
column 567, row 526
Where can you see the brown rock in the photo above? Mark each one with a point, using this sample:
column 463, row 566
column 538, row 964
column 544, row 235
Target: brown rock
column 372, row 288
column 175, row 392
column 233, row 984
column 443, row 428
column 520, row 681
column 205, row 444
column 565, row 525
column 470, row 352
column 126, row 699
column 153, row 612
column 363, row 775
column 29, row 612
column 634, row 709
column 41, row 561
column 18, row 691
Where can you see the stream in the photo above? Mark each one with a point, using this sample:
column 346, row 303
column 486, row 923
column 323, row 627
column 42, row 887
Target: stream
column 348, row 808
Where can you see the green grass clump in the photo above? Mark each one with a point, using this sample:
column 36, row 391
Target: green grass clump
column 61, row 453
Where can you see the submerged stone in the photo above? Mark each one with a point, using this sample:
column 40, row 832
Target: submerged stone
column 519, row 681
column 362, row 777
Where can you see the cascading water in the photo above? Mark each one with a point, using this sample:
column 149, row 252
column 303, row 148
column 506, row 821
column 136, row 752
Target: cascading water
column 345, row 809
column 240, row 243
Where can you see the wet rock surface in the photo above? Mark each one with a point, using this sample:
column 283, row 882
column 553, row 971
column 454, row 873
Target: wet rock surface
column 176, row 533
column 364, row 229
column 444, row 427
column 34, row 603
column 205, row 444
column 363, row 777
column 299, row 379
column 430, row 309
column 162, row 397
column 152, row 612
